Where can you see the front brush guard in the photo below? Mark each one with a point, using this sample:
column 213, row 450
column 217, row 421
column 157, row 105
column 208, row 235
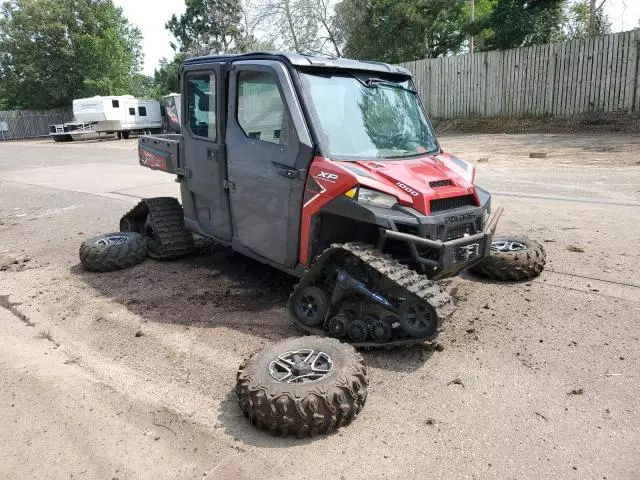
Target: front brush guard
column 454, row 255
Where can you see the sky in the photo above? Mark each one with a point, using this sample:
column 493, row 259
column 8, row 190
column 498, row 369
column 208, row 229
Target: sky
column 151, row 15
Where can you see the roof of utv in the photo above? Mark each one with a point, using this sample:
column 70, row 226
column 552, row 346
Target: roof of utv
column 299, row 60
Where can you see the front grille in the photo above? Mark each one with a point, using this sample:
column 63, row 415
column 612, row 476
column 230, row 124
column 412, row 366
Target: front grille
column 440, row 183
column 451, row 203
column 457, row 231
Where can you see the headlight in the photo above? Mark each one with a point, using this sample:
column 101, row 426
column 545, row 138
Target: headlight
column 375, row 198
column 462, row 168
column 469, row 173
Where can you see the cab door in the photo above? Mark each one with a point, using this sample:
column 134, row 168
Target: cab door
column 269, row 150
column 205, row 200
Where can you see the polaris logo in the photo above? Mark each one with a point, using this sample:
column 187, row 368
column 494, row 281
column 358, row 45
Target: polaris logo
column 408, row 189
column 332, row 177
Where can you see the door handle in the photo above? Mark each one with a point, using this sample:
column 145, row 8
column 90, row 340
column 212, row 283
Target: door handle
column 286, row 172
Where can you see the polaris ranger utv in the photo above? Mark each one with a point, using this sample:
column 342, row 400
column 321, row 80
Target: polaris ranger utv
column 328, row 170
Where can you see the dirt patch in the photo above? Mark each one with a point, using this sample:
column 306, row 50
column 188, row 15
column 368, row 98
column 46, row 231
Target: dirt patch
column 587, row 123
column 200, row 290
column 13, row 308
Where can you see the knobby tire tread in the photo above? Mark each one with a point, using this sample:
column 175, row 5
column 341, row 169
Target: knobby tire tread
column 303, row 409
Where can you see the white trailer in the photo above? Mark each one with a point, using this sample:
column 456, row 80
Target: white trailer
column 119, row 115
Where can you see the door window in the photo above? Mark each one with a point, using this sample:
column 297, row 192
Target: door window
column 201, row 106
column 261, row 111
column 142, row 111
column 132, row 111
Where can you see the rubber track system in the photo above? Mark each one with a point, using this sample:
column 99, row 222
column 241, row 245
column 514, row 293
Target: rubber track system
column 170, row 238
column 436, row 294
column 303, row 409
column 513, row 266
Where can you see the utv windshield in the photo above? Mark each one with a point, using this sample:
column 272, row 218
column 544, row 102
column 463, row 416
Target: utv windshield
column 365, row 117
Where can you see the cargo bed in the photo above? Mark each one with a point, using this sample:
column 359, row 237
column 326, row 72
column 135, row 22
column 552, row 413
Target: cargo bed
column 160, row 152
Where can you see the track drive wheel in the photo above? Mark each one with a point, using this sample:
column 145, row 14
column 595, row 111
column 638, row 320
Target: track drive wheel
column 338, row 325
column 303, row 386
column 310, row 306
column 380, row 331
column 418, row 318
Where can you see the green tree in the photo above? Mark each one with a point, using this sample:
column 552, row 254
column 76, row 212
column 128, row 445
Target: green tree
column 52, row 51
column 208, row 25
column 519, row 23
column 401, row 30
column 166, row 78
column 577, row 23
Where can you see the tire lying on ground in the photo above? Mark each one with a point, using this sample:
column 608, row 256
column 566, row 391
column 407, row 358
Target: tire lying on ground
column 512, row 258
column 303, row 386
column 113, row 251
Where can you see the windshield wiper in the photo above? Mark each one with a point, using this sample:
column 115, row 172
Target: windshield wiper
column 374, row 82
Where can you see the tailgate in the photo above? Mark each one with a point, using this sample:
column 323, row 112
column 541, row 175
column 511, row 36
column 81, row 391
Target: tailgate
column 160, row 152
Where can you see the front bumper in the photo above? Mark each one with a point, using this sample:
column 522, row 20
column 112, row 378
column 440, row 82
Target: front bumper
column 454, row 255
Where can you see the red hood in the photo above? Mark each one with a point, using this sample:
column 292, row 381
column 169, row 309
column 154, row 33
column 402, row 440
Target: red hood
column 412, row 180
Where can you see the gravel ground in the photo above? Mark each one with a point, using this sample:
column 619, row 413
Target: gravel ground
column 130, row 374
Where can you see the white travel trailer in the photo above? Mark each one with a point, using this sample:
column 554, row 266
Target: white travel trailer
column 120, row 115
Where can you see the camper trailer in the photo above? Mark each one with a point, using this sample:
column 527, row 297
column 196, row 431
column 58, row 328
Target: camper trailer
column 119, row 115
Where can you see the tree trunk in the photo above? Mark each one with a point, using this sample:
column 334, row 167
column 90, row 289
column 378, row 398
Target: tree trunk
column 332, row 38
column 472, row 18
column 592, row 18
column 292, row 29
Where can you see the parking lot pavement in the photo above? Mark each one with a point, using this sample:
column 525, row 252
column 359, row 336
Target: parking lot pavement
column 107, row 169
column 546, row 371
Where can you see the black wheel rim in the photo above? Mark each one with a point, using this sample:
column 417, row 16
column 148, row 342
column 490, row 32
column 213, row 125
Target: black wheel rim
column 301, row 366
column 358, row 331
column 308, row 306
column 418, row 319
column 337, row 326
column 380, row 331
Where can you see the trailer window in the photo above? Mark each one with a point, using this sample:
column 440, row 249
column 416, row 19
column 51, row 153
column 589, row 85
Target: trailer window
column 132, row 111
column 115, row 103
column 261, row 111
column 201, row 105
column 142, row 111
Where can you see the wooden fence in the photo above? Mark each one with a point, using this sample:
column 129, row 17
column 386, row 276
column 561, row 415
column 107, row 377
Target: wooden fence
column 17, row 124
column 597, row 74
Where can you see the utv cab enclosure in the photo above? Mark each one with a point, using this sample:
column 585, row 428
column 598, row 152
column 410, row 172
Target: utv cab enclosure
column 285, row 157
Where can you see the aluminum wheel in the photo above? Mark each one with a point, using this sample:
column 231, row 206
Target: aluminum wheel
column 507, row 246
column 113, row 240
column 300, row 366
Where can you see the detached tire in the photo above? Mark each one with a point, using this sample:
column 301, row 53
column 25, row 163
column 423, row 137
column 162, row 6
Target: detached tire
column 303, row 386
column 512, row 259
column 113, row 251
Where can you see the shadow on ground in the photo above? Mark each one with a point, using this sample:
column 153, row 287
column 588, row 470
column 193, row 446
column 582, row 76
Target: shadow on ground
column 222, row 289
column 234, row 423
